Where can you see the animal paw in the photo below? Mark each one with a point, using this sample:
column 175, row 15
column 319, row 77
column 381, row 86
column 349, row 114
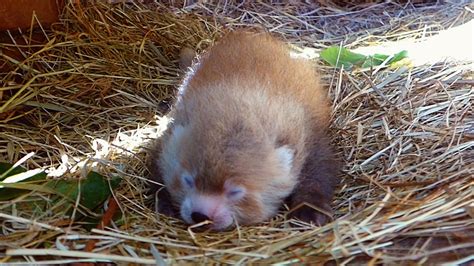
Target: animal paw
column 164, row 205
column 311, row 215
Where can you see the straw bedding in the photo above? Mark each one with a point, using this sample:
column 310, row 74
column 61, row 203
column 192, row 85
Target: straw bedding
column 92, row 98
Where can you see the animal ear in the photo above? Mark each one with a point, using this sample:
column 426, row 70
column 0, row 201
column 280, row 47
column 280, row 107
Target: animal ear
column 186, row 57
column 285, row 156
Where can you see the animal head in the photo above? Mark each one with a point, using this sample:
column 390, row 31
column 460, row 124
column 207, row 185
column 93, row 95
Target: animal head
column 236, row 176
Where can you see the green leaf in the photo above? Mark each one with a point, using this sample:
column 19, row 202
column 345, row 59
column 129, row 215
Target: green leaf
column 9, row 191
column 94, row 189
column 342, row 57
column 374, row 60
column 399, row 56
column 6, row 166
column 378, row 59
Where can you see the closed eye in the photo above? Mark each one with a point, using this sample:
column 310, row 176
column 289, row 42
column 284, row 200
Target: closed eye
column 188, row 180
column 236, row 193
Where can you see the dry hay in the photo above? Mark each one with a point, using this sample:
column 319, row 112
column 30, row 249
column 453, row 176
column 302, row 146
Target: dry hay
column 88, row 99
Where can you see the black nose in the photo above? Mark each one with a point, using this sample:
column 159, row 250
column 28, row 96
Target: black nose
column 199, row 217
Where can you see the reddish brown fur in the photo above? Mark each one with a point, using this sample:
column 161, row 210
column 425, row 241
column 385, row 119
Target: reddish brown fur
column 245, row 98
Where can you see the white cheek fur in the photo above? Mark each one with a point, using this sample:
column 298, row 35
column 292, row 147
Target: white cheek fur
column 170, row 154
column 222, row 221
column 213, row 207
column 285, row 156
column 186, row 210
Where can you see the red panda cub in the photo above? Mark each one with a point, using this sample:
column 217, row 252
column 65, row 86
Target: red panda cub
column 247, row 133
